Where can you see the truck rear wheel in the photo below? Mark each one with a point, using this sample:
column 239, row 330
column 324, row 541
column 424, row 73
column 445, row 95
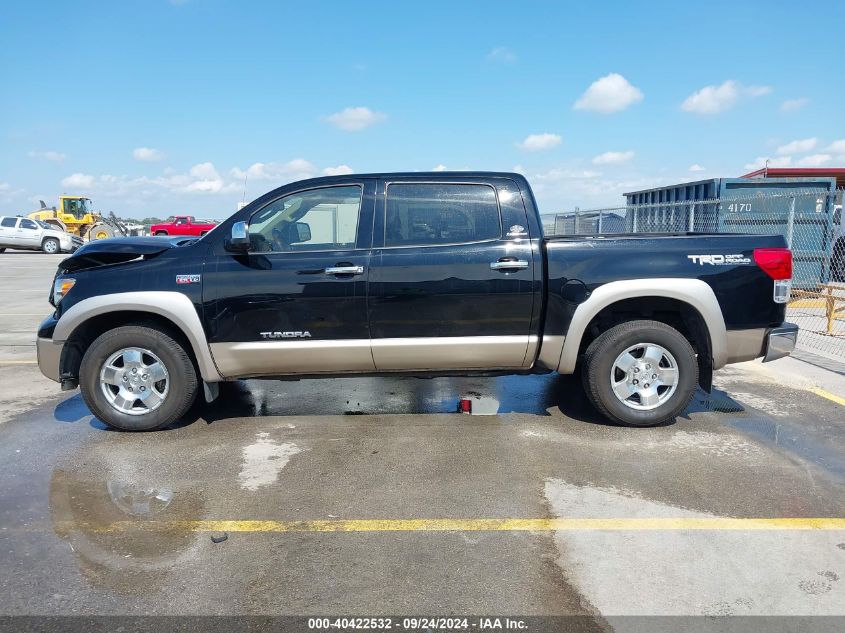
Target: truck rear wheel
column 640, row 373
column 137, row 378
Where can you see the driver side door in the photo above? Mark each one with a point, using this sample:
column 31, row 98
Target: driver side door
column 297, row 302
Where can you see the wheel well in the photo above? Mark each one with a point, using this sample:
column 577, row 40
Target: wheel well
column 85, row 334
column 673, row 312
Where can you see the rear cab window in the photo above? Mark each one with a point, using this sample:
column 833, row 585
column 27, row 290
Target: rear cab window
column 427, row 214
column 9, row 223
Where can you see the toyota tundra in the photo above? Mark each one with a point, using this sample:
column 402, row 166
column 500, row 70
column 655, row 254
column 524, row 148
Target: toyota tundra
column 422, row 274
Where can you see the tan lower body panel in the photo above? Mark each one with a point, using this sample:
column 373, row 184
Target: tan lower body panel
column 450, row 352
column 292, row 357
column 256, row 358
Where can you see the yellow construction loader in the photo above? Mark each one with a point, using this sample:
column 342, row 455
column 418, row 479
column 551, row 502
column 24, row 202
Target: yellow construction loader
column 76, row 215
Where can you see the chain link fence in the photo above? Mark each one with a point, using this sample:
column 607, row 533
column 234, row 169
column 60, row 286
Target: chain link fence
column 811, row 222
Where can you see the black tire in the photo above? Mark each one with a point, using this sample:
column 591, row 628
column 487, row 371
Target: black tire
column 51, row 246
column 602, row 353
column 182, row 375
column 2, row 250
column 161, row 232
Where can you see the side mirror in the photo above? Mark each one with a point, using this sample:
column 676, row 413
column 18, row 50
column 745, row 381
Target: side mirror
column 239, row 240
column 303, row 232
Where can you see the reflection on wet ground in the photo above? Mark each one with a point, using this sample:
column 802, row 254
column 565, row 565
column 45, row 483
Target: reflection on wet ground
column 536, row 395
column 82, row 502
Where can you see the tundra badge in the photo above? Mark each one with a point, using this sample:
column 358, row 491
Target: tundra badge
column 267, row 335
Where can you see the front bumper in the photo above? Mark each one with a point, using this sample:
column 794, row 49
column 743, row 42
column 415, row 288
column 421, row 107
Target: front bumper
column 780, row 341
column 72, row 245
column 49, row 357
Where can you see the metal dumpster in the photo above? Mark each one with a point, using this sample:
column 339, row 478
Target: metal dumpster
column 800, row 209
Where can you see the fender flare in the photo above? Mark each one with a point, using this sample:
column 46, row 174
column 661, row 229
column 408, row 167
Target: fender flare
column 694, row 292
column 174, row 306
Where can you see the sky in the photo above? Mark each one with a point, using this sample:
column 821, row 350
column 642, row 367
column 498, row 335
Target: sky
column 162, row 107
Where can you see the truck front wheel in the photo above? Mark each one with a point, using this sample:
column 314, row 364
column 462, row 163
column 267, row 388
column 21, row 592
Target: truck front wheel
column 137, row 378
column 640, row 373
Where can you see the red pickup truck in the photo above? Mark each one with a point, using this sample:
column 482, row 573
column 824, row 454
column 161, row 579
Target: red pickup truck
column 182, row 225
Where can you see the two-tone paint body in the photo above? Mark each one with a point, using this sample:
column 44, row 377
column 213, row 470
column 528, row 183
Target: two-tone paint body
column 445, row 308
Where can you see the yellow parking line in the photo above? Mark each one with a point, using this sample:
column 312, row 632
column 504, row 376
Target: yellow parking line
column 465, row 525
column 830, row 396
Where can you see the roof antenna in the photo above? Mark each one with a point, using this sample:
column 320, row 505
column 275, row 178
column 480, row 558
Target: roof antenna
column 766, row 169
column 242, row 203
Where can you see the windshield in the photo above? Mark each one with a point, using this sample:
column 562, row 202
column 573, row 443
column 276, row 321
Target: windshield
column 78, row 207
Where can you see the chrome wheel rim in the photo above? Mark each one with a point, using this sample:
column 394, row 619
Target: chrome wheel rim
column 644, row 376
column 134, row 381
column 50, row 247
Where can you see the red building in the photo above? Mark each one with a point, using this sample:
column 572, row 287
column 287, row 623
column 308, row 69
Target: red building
column 801, row 172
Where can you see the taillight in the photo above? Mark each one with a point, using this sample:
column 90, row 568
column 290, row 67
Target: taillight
column 777, row 264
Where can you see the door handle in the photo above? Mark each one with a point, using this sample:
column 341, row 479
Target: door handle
column 509, row 264
column 344, row 270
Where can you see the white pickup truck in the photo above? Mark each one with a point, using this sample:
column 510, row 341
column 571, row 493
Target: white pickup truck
column 31, row 235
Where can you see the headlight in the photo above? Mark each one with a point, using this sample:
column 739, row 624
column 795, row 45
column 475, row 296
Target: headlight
column 60, row 288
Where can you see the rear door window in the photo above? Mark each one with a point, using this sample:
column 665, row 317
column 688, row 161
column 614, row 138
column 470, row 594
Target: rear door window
column 9, row 223
column 423, row 214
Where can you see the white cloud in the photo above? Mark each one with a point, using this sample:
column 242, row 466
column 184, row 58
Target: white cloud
column 613, row 158
column 296, row 169
column 147, row 154
column 440, row 167
column 52, row 156
column 696, row 167
column 712, row 99
column 837, row 147
column 798, row 147
column 791, row 105
column 560, row 173
column 204, row 188
column 815, row 160
column 354, row 119
column 760, row 162
column 206, row 179
column 8, row 195
column 502, row 54
column 340, row 170
column 758, row 91
column 611, row 93
column 715, row 99
column 538, row 142
column 78, row 181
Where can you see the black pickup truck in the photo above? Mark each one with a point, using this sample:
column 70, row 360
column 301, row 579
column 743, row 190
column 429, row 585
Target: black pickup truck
column 423, row 274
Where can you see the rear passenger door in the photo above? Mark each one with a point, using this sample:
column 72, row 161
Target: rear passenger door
column 451, row 280
column 9, row 232
column 29, row 234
